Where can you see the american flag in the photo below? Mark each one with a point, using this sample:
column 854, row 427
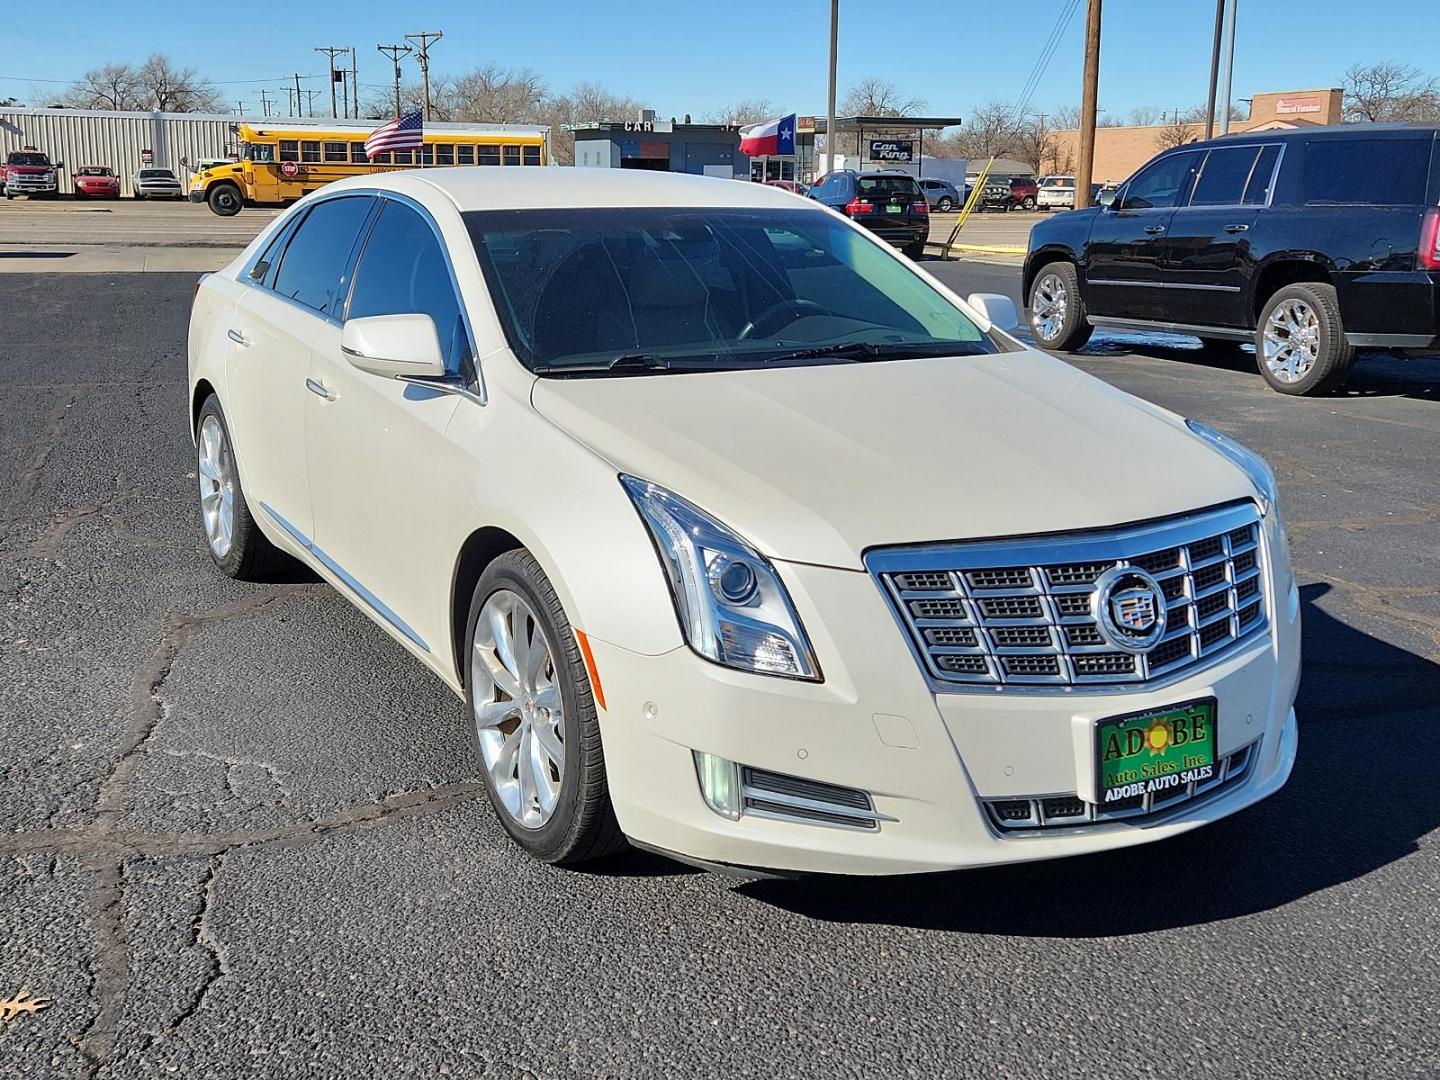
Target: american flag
column 403, row 133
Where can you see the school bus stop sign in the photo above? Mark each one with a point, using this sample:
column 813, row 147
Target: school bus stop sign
column 289, row 168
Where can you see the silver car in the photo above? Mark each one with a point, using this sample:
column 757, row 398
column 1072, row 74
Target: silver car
column 940, row 194
column 158, row 184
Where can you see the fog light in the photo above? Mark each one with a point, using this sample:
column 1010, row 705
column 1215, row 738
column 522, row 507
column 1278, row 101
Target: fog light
column 719, row 783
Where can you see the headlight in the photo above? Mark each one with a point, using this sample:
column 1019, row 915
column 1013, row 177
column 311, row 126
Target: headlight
column 1256, row 467
column 732, row 606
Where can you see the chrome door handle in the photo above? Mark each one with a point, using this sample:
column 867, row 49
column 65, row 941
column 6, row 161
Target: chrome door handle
column 1237, row 228
column 1153, row 229
column 315, row 386
column 237, row 337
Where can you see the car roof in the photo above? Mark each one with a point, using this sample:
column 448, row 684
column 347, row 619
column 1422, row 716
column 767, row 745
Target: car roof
column 542, row 187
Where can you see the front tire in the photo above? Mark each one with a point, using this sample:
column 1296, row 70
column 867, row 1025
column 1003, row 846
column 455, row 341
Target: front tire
column 1057, row 311
column 1028, row 203
column 225, row 200
column 532, row 719
column 945, row 205
column 1300, row 345
column 235, row 542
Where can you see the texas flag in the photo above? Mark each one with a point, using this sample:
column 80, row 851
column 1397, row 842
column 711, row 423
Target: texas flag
column 773, row 138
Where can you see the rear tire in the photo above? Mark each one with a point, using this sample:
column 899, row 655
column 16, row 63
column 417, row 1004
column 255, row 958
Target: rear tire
column 1057, row 311
column 1300, row 345
column 915, row 250
column 558, row 811
column 1027, row 203
column 234, row 541
column 945, row 205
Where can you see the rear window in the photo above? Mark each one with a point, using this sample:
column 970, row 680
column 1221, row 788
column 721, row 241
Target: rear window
column 1366, row 172
column 888, row 187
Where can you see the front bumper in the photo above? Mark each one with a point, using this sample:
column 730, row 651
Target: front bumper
column 197, row 196
column 22, row 184
column 929, row 761
column 161, row 192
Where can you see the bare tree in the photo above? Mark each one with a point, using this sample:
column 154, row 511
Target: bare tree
column 1388, row 92
column 749, row 111
column 1145, row 116
column 115, row 87
column 495, row 95
column 586, row 103
column 163, row 87
column 1177, row 132
column 879, row 97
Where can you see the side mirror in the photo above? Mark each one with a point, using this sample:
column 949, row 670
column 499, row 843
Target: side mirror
column 59, row 165
column 1107, row 198
column 998, row 310
column 394, row 346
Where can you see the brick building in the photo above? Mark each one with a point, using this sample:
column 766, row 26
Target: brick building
column 1119, row 151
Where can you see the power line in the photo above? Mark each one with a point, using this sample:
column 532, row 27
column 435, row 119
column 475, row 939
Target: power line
column 395, row 52
column 333, row 51
column 1042, row 62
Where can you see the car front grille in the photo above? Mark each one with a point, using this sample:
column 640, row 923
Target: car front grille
column 1042, row 812
column 1022, row 613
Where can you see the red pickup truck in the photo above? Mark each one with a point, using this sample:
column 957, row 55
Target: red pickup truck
column 30, row 172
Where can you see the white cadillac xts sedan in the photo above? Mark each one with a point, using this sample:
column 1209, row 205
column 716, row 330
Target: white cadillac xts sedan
column 743, row 538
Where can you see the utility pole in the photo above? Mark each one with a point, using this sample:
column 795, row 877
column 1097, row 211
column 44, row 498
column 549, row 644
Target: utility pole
column 422, row 55
column 354, row 85
column 310, row 101
column 395, row 52
column 1229, row 67
column 299, row 109
column 1089, row 94
column 1214, row 69
column 332, row 51
column 264, row 102
column 830, row 98
column 239, row 108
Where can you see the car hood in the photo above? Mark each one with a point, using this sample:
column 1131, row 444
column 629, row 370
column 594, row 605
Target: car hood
column 819, row 464
column 29, row 169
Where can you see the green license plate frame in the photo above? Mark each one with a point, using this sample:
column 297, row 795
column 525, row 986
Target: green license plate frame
column 1154, row 764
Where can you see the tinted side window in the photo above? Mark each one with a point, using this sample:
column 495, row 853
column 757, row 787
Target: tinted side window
column 1375, row 172
column 1223, row 176
column 402, row 271
column 1161, row 183
column 313, row 269
column 1257, row 192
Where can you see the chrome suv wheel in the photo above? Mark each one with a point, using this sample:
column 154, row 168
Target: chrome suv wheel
column 1050, row 304
column 519, row 717
column 1057, row 310
column 1300, row 344
column 1291, row 340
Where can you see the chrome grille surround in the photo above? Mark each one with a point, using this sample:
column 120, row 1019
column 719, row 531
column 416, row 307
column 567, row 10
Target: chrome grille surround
column 1016, row 614
column 1038, row 813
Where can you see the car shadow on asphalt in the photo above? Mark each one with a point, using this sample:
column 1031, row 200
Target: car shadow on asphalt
column 1361, row 796
column 1374, row 374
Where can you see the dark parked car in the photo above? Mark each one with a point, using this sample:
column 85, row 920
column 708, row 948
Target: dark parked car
column 889, row 204
column 1010, row 193
column 1310, row 243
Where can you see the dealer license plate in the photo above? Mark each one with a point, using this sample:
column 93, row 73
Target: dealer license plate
column 1154, row 752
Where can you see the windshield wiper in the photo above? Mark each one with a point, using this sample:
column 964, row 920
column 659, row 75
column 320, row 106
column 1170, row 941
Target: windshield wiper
column 872, row 350
column 623, row 364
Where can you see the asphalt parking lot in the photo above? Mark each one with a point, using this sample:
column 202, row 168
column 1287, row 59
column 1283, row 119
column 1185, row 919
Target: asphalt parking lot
column 240, row 833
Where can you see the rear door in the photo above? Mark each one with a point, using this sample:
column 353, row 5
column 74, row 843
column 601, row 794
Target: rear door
column 1123, row 257
column 1207, row 249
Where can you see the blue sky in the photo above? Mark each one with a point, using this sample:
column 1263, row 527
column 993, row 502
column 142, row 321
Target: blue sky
column 692, row 57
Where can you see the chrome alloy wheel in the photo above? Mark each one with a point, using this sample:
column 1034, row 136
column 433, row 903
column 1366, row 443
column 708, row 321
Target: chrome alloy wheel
column 1048, row 306
column 518, row 709
column 1291, row 340
column 216, row 468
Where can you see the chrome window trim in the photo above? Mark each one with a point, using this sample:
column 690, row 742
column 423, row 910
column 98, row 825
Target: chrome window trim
column 1242, row 205
column 1099, row 545
column 478, row 393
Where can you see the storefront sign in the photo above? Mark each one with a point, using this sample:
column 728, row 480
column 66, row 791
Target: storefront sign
column 147, row 157
column 891, row 149
column 649, row 125
column 1297, row 105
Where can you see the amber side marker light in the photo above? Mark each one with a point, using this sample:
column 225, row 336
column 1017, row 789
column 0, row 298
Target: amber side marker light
column 590, row 667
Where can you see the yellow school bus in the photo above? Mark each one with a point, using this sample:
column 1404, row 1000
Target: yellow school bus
column 279, row 164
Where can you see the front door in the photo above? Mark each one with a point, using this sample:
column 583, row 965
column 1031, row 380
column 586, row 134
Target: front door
column 1207, row 250
column 376, row 445
column 1123, row 257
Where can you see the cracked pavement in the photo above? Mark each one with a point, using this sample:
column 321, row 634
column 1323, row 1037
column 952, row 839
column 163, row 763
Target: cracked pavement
column 240, row 833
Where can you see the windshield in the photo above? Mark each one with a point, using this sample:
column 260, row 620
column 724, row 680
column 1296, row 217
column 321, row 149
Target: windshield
column 688, row 288
column 1058, row 181
column 29, row 159
column 156, row 174
column 93, row 170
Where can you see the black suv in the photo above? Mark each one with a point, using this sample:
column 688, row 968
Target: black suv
column 889, row 204
column 1309, row 243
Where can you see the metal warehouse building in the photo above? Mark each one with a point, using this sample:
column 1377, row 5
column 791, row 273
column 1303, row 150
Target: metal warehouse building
column 126, row 141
